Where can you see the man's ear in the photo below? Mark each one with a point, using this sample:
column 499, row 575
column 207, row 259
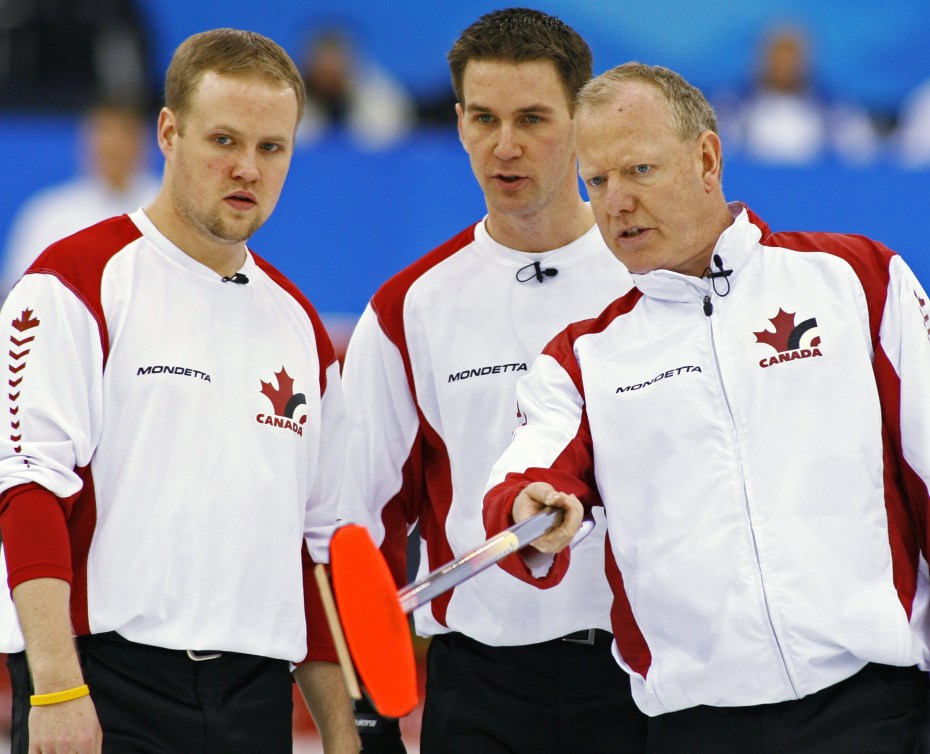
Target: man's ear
column 168, row 129
column 711, row 160
column 460, row 117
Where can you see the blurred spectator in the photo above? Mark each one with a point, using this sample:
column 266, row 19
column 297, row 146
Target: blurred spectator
column 65, row 55
column 346, row 91
column 787, row 119
column 914, row 128
column 113, row 148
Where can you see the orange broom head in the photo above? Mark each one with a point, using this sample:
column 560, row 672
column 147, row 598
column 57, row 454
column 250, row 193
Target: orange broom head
column 375, row 626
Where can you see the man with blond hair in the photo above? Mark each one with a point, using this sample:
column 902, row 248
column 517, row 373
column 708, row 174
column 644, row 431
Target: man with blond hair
column 175, row 449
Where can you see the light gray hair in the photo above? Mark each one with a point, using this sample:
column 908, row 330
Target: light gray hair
column 689, row 111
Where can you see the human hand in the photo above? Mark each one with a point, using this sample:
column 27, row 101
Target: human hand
column 66, row 728
column 539, row 495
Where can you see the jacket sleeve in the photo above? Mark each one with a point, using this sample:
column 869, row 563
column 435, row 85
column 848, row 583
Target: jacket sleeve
column 329, row 467
column 554, row 446
column 902, row 368
column 383, row 483
column 322, row 505
column 54, row 372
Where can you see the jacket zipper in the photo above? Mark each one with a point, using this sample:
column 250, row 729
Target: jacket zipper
column 708, row 310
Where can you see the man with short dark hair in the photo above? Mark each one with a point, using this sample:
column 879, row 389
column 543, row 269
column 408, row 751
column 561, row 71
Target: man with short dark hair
column 429, row 378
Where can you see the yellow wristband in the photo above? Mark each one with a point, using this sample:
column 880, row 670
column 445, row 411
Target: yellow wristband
column 37, row 700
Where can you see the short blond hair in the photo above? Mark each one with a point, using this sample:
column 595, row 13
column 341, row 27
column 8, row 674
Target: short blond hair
column 228, row 52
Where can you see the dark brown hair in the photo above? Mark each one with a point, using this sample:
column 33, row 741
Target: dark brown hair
column 520, row 35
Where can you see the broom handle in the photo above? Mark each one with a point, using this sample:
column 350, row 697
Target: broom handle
column 474, row 561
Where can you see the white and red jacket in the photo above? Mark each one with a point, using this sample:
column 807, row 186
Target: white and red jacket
column 174, row 445
column 762, row 451
column 430, row 379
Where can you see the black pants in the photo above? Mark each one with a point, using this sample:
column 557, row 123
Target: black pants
column 159, row 701
column 877, row 711
column 550, row 698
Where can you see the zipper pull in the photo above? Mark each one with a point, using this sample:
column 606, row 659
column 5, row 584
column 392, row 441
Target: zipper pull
column 708, row 306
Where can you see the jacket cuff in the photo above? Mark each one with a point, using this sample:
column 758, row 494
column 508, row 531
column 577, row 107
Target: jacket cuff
column 35, row 535
column 498, row 515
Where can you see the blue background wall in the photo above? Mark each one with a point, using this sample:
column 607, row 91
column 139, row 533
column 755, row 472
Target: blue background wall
column 872, row 51
column 348, row 219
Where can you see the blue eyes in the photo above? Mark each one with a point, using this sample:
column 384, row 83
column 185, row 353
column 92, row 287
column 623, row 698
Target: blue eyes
column 268, row 146
column 636, row 170
column 488, row 118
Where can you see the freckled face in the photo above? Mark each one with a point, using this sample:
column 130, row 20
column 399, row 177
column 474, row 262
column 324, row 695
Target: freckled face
column 516, row 125
column 656, row 197
column 227, row 158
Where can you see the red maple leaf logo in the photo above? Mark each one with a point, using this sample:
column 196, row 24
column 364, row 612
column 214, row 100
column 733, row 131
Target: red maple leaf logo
column 282, row 395
column 784, row 325
column 25, row 321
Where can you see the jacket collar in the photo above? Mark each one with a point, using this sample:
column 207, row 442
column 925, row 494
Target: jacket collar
column 734, row 247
